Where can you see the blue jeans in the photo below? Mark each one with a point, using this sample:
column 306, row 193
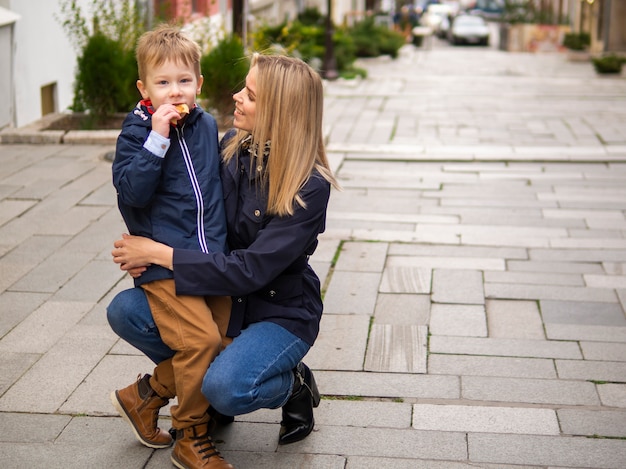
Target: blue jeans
column 253, row 372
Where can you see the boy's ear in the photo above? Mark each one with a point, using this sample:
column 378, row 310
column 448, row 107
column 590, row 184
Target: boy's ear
column 200, row 81
column 142, row 90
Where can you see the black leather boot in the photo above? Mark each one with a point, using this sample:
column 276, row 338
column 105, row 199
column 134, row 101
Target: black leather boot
column 218, row 418
column 298, row 419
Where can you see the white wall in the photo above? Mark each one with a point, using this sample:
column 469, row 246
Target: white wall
column 43, row 55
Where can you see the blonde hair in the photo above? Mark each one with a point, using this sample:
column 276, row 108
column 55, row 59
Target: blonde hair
column 164, row 43
column 289, row 110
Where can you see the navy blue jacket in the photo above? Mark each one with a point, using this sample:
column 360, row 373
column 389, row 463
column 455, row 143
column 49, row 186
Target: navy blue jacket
column 176, row 200
column 267, row 271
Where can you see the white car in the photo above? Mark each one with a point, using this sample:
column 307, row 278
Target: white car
column 434, row 13
column 469, row 29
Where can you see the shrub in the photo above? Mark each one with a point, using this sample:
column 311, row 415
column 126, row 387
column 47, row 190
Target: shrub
column 576, row 41
column 224, row 69
column 372, row 40
column 611, row 63
column 106, row 68
column 105, row 79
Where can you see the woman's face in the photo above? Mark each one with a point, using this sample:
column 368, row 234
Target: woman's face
column 245, row 103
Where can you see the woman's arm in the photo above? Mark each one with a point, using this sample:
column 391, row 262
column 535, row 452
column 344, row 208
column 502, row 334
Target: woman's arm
column 133, row 252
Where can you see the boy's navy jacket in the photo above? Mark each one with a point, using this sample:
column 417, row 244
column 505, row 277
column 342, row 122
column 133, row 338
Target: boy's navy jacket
column 267, row 272
column 176, row 200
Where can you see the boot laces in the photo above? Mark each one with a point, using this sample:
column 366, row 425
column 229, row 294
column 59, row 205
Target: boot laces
column 206, row 445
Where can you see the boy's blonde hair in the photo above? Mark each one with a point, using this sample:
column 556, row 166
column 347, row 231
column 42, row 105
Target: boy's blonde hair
column 289, row 109
column 164, row 43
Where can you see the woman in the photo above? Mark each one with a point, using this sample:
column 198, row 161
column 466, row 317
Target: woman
column 276, row 181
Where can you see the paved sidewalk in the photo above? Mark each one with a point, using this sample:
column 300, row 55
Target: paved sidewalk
column 474, row 269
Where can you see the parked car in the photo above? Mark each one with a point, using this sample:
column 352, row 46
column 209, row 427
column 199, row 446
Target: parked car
column 434, row 13
column 469, row 29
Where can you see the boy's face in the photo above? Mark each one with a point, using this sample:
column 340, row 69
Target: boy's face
column 170, row 83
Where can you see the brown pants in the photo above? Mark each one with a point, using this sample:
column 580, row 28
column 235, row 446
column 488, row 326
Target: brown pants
column 195, row 328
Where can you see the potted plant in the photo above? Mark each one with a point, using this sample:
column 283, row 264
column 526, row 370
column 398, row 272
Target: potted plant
column 611, row 63
column 577, row 45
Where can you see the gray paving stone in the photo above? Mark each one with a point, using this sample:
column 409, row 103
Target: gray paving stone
column 529, row 391
column 606, row 423
column 52, row 273
column 534, row 278
column 360, row 462
column 60, row 361
column 43, row 328
column 458, row 320
column 383, row 443
column 612, row 394
column 367, row 413
column 352, row 293
column 465, row 365
column 16, row 306
column 31, row 428
column 548, row 292
column 91, row 396
column 582, row 313
column 402, row 309
column 555, row 267
column 362, row 257
column 397, row 348
column 341, row 343
column 514, row 319
column 396, row 249
column 604, row 351
column 81, row 287
column 440, row 262
column 546, row 451
column 580, row 255
column 585, row 332
column 264, row 460
column 387, row 385
column 405, row 280
column 591, row 370
column 26, row 256
column 484, row 419
column 13, row 366
column 504, row 347
column 458, row 286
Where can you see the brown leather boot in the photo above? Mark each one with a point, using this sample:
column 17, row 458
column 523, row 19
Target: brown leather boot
column 194, row 448
column 139, row 405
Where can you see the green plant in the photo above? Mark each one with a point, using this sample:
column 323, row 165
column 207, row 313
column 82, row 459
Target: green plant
column 576, row 41
column 224, row 69
column 104, row 40
column 611, row 63
column 372, row 40
column 105, row 79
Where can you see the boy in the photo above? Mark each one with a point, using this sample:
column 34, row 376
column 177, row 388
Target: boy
column 166, row 173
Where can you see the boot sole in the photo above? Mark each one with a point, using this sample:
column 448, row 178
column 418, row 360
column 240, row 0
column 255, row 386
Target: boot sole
column 122, row 411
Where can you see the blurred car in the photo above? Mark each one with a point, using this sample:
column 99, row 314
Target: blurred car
column 469, row 29
column 434, row 14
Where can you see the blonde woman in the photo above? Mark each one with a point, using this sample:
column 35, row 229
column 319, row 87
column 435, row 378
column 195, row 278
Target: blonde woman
column 277, row 182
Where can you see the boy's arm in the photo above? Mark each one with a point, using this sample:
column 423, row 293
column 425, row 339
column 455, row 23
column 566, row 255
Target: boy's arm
column 138, row 164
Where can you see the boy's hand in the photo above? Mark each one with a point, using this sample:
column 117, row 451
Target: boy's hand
column 162, row 118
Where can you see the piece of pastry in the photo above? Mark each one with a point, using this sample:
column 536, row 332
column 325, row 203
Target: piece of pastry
column 183, row 110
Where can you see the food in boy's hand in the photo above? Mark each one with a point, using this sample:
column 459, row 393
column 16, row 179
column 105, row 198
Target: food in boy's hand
column 183, row 110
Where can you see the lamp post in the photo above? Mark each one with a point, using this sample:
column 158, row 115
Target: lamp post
column 330, row 63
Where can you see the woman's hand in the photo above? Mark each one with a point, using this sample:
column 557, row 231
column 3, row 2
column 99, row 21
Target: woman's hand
column 135, row 253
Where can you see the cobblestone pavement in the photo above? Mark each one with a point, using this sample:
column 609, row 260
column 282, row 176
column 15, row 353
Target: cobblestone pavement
column 474, row 269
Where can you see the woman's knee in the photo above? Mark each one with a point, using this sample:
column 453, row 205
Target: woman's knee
column 124, row 307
